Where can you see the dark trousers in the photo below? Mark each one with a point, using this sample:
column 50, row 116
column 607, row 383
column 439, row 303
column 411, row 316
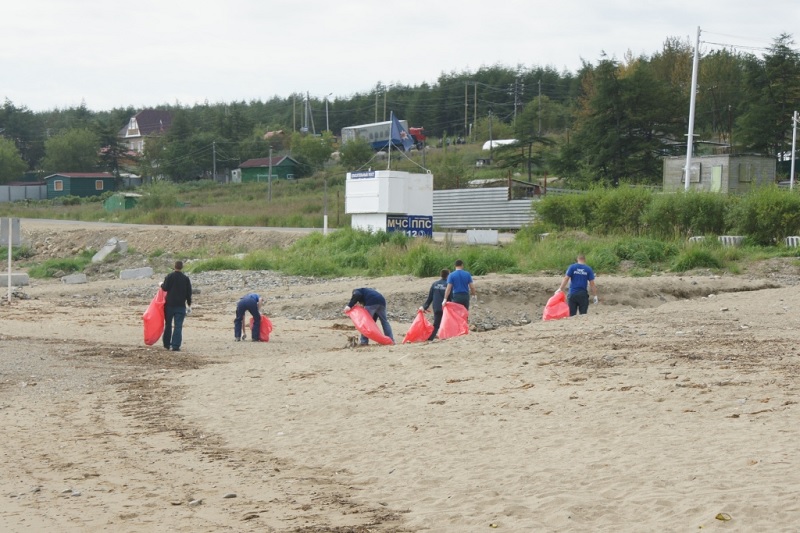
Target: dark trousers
column 437, row 321
column 578, row 303
column 461, row 298
column 173, row 336
column 247, row 304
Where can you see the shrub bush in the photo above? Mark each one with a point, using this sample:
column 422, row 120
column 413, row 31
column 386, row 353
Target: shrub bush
column 766, row 215
column 697, row 257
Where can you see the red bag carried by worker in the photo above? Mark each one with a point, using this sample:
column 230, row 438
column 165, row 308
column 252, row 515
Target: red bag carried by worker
column 420, row 329
column 366, row 325
column 556, row 307
column 455, row 321
column 153, row 318
column 264, row 328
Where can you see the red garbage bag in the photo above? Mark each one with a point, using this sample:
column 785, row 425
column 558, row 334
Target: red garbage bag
column 420, row 329
column 366, row 325
column 153, row 318
column 454, row 321
column 264, row 328
column 556, row 307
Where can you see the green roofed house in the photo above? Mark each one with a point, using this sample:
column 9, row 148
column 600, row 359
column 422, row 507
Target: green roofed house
column 283, row 167
column 82, row 184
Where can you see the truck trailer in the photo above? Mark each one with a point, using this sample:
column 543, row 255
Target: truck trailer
column 378, row 134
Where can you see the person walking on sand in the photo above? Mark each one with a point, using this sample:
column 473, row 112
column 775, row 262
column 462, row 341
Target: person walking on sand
column 375, row 304
column 459, row 285
column 251, row 303
column 436, row 297
column 177, row 305
column 580, row 278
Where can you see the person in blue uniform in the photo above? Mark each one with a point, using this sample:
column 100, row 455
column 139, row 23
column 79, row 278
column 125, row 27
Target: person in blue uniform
column 436, row 297
column 580, row 278
column 248, row 303
column 375, row 304
column 459, row 285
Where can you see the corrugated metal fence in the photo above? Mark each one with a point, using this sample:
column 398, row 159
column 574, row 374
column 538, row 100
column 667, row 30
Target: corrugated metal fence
column 487, row 208
column 13, row 193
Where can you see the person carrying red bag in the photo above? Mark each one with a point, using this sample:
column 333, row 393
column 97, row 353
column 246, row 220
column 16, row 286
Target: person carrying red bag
column 436, row 297
column 580, row 278
column 375, row 304
column 459, row 285
column 248, row 303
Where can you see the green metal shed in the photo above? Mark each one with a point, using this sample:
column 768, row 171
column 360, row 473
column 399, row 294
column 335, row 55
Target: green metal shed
column 82, row 184
column 121, row 201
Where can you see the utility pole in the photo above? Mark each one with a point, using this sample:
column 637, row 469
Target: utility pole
column 491, row 144
column 327, row 123
column 540, row 107
column 214, row 160
column 310, row 114
column 466, row 111
column 325, row 207
column 474, row 106
column 794, row 142
column 518, row 89
column 376, row 102
column 692, row 100
column 269, row 177
column 305, row 115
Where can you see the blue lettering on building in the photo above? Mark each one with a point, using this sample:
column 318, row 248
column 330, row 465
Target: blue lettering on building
column 411, row 225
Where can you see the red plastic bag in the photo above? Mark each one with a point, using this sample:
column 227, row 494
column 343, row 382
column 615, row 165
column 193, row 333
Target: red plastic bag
column 366, row 325
column 556, row 307
column 420, row 329
column 454, row 321
column 153, row 318
column 264, row 328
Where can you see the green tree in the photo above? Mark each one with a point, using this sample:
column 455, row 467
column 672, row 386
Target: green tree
column 186, row 151
column 312, row 151
column 773, row 93
column 25, row 128
column 112, row 150
column 721, row 94
column 626, row 116
column 12, row 166
column 356, row 153
column 72, row 151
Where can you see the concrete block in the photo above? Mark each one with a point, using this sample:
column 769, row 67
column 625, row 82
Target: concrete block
column 792, row 242
column 731, row 240
column 74, row 279
column 18, row 279
column 136, row 273
column 698, row 238
column 122, row 247
column 482, row 236
column 109, row 248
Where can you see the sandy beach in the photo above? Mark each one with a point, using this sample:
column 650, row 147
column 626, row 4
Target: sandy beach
column 671, row 406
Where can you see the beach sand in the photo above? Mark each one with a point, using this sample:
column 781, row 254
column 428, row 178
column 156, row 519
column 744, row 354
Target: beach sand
column 671, row 406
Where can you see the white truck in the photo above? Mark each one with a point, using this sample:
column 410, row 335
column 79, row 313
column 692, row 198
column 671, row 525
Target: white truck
column 378, row 134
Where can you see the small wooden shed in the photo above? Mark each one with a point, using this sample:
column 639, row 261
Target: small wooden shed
column 283, row 167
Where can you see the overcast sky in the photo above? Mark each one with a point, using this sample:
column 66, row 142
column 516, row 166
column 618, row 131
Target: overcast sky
column 59, row 53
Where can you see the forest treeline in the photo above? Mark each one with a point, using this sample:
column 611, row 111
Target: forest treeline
column 609, row 123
